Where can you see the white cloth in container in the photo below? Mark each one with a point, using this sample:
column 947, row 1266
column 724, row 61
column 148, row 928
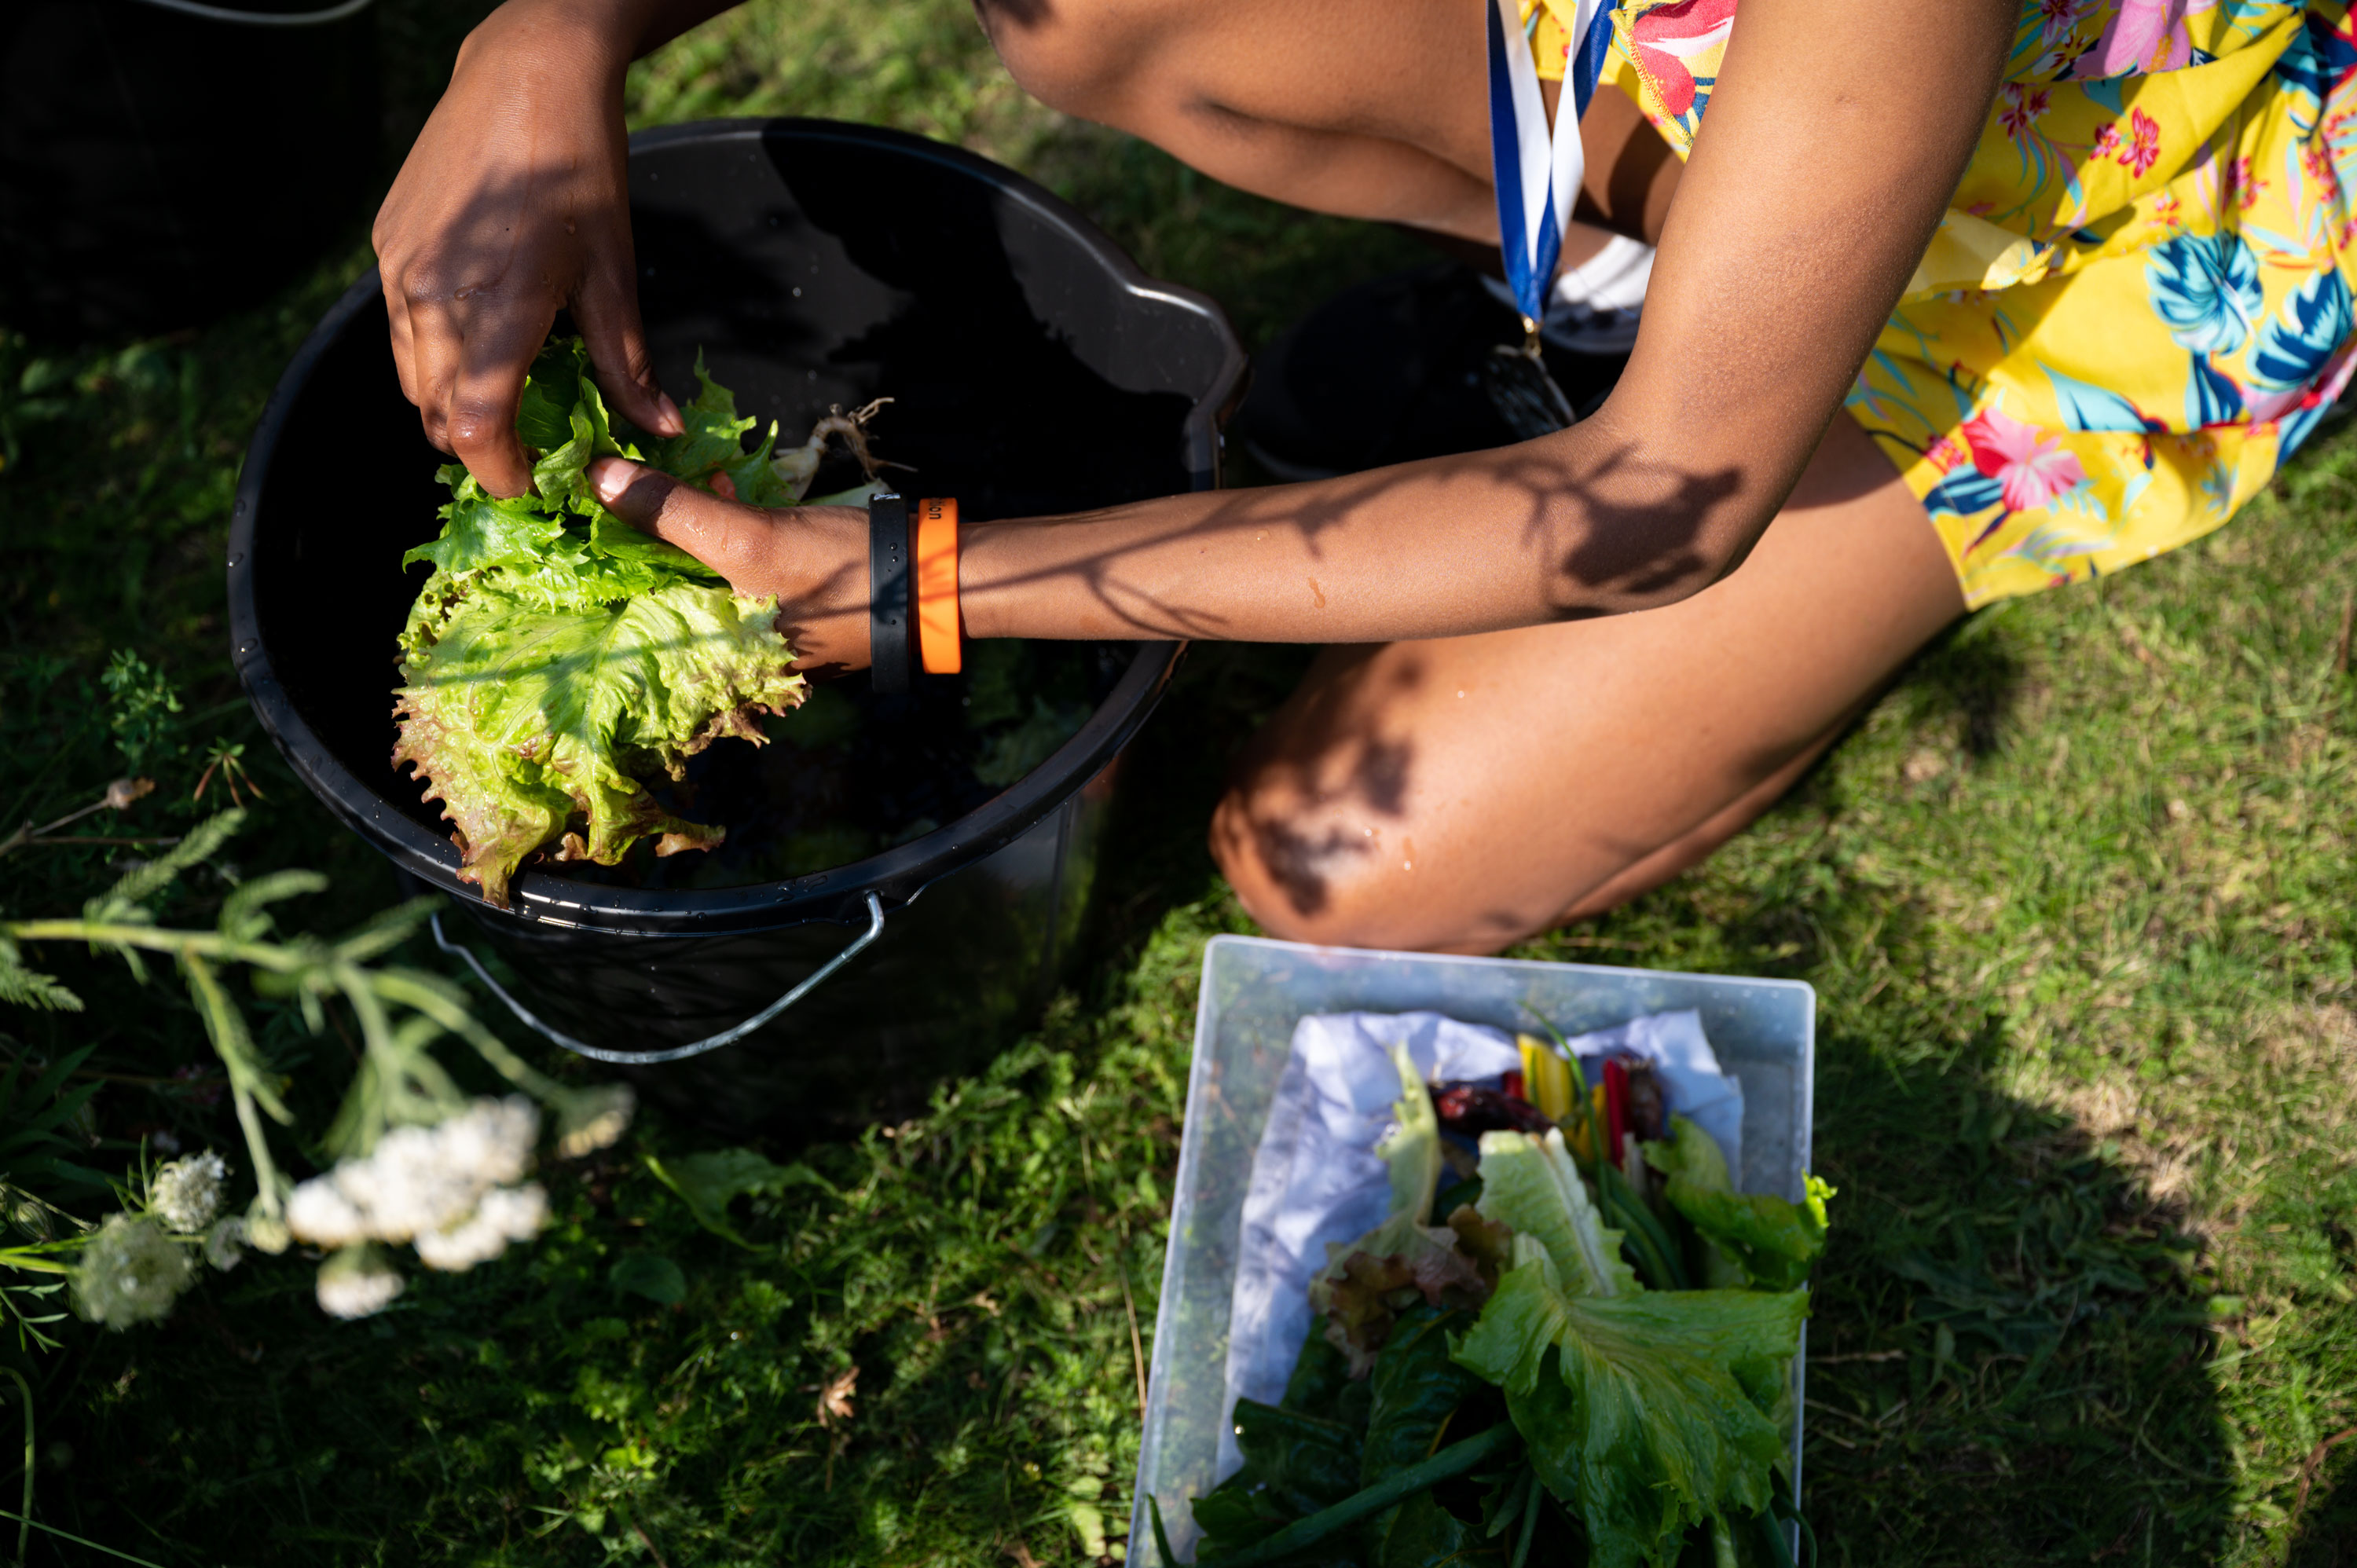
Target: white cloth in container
column 1315, row 1178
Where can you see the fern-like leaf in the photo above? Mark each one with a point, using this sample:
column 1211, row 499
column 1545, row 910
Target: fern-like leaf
column 127, row 899
column 244, row 917
column 30, row 988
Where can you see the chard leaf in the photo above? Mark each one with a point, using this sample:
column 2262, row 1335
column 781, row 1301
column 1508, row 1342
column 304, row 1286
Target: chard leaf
column 1773, row 1241
column 1415, row 1387
column 1320, row 1378
column 1532, row 1186
column 1415, row 1390
column 1234, row 1514
column 1306, row 1463
column 1420, row 1533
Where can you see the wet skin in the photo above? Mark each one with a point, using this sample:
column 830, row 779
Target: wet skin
column 1657, row 618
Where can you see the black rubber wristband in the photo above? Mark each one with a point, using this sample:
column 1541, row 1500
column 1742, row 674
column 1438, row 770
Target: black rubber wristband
column 889, row 612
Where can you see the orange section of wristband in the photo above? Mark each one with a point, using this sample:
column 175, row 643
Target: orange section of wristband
column 939, row 647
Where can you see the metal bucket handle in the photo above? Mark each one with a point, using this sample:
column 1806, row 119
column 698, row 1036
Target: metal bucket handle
column 263, row 18
column 525, row 1016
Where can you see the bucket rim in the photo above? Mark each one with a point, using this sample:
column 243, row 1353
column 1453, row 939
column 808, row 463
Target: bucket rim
column 898, row 874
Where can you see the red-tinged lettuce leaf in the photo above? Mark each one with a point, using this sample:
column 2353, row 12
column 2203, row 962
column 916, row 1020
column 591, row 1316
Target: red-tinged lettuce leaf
column 1486, row 1244
column 1363, row 1286
column 1772, row 1241
column 520, row 719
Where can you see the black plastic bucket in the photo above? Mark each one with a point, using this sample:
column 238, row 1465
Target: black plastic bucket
column 164, row 161
column 1034, row 371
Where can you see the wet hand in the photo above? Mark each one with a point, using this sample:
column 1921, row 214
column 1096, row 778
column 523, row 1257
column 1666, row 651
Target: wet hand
column 513, row 205
column 814, row 558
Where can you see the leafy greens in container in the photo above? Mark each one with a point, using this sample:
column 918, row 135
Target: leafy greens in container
column 557, row 658
column 1535, row 1381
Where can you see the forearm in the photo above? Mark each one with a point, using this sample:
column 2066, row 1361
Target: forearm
column 1592, row 521
column 601, row 33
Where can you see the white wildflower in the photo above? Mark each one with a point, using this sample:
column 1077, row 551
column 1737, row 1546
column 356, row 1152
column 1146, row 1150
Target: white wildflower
column 357, row 1283
column 225, row 1242
column 594, row 1118
column 419, row 1180
column 130, row 1272
column 187, row 1192
column 506, row 1214
column 410, row 1183
column 323, row 1216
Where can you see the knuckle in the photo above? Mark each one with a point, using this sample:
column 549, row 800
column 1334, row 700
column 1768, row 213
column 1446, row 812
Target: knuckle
column 475, row 427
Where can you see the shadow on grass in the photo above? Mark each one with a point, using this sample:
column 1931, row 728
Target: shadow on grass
column 2011, row 1341
column 1971, row 679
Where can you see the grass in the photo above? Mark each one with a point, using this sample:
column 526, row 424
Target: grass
column 2075, row 895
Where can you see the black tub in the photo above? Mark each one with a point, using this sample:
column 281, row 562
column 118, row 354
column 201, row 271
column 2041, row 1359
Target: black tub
column 1035, row 370
column 165, row 161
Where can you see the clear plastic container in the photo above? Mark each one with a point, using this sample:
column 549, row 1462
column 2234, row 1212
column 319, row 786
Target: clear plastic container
column 1254, row 990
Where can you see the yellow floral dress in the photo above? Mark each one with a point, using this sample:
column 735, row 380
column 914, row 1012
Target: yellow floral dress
column 2139, row 303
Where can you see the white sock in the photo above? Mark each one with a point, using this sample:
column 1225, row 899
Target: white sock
column 1612, row 279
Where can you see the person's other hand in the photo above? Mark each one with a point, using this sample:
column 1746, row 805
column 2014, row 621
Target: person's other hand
column 814, row 558
column 514, row 203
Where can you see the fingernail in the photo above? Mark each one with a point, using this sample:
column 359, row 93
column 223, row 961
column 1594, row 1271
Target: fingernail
column 673, row 424
column 609, row 476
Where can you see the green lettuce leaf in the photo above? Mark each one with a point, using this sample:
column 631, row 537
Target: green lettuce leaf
column 480, row 529
column 1412, row 1149
column 1647, row 1414
column 714, row 443
column 556, row 657
column 520, row 719
column 1531, row 1184
column 1771, row 1240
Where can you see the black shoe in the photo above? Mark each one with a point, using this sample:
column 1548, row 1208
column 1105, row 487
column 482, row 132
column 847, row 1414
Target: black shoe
column 1391, row 370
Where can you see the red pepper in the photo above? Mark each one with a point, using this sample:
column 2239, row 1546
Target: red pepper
column 1512, row 1084
column 1616, row 1108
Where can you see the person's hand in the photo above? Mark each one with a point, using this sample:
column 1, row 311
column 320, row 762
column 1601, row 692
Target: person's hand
column 512, row 204
column 814, row 558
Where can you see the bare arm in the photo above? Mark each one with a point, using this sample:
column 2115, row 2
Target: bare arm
column 514, row 204
column 1821, row 173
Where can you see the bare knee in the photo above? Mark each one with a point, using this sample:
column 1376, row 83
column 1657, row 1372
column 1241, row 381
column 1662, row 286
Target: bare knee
column 1071, row 56
column 1340, row 871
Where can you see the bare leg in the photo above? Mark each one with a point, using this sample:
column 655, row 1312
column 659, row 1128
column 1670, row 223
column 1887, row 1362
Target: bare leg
column 1463, row 793
column 1378, row 113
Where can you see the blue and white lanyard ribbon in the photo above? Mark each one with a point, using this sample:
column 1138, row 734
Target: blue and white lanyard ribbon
column 1537, row 175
